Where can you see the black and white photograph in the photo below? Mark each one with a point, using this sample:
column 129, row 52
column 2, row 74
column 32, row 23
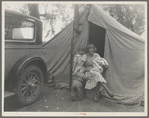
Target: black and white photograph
column 74, row 58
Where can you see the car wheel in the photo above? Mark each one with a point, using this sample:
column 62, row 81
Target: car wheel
column 30, row 84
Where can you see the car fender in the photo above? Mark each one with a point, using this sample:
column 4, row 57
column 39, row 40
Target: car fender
column 20, row 66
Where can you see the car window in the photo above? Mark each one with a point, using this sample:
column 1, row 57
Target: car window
column 18, row 30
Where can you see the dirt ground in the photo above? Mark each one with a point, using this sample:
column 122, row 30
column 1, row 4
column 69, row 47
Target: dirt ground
column 59, row 100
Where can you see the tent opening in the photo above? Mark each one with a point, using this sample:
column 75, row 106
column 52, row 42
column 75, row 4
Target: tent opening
column 97, row 37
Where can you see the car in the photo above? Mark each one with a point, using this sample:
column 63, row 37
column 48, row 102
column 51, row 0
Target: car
column 25, row 63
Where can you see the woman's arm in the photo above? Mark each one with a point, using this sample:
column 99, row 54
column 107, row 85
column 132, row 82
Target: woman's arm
column 105, row 63
column 97, row 55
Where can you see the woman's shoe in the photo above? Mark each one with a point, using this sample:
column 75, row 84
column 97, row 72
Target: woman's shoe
column 73, row 99
column 100, row 95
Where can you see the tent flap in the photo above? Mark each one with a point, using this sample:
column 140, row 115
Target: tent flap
column 124, row 51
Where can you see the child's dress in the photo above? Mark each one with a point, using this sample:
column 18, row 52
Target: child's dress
column 95, row 73
column 78, row 60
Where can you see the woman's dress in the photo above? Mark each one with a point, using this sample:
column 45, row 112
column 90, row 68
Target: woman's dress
column 94, row 69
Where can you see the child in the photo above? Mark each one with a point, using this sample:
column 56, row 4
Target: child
column 77, row 65
column 78, row 69
column 100, row 63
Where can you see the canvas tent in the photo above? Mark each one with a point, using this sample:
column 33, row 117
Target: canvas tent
column 123, row 49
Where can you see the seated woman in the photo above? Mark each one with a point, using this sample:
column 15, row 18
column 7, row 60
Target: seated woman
column 77, row 78
column 93, row 69
column 95, row 73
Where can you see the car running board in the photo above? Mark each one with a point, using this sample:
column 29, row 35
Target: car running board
column 8, row 94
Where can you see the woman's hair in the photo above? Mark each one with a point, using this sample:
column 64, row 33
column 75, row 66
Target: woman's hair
column 81, row 48
column 91, row 46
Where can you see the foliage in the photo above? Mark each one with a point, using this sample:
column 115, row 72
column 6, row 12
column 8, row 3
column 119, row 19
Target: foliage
column 131, row 16
column 57, row 16
column 62, row 12
column 33, row 9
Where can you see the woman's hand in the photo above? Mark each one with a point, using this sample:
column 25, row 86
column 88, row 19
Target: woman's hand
column 106, row 66
column 85, row 77
column 74, row 72
column 88, row 79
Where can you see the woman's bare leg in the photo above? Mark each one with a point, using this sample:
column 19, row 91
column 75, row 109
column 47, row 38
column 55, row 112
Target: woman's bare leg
column 96, row 92
column 107, row 89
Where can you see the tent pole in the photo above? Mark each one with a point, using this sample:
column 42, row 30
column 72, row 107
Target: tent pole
column 75, row 24
column 71, row 64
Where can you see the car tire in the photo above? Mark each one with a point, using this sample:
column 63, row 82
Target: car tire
column 30, row 85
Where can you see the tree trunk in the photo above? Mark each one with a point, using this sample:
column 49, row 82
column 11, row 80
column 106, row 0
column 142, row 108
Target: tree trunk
column 33, row 8
column 132, row 27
